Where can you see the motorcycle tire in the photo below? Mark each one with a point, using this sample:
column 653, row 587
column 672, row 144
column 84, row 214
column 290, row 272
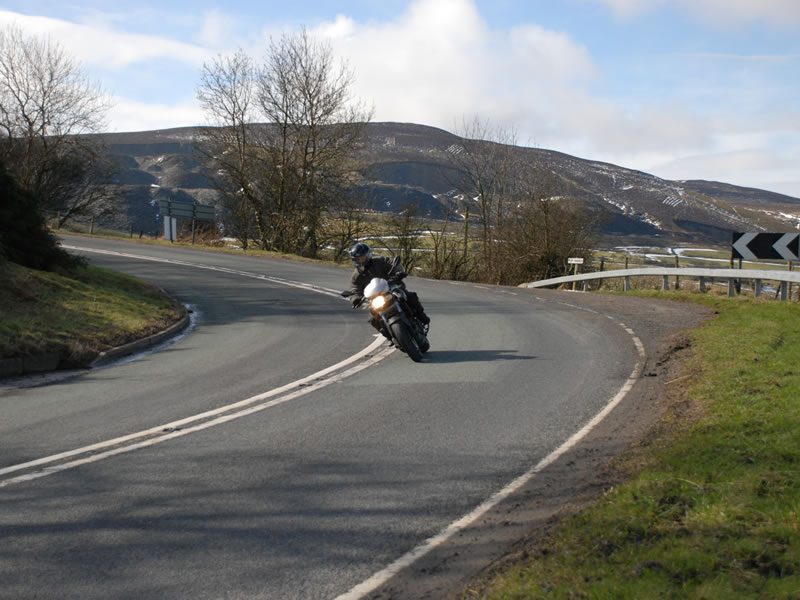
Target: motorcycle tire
column 422, row 339
column 407, row 342
column 425, row 345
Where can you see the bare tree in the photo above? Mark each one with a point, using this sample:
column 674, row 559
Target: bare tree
column 317, row 128
column 406, row 232
column 449, row 257
column 229, row 146
column 282, row 138
column 544, row 229
column 485, row 159
column 529, row 226
column 345, row 223
column 47, row 110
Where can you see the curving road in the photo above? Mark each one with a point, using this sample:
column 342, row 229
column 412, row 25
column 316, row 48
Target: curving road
column 276, row 451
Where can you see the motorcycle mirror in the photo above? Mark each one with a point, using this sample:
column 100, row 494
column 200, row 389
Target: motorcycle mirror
column 346, row 293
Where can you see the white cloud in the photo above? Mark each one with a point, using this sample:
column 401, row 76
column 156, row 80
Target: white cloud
column 129, row 115
column 779, row 13
column 217, row 29
column 99, row 45
column 426, row 66
column 439, row 63
column 440, row 67
column 627, row 9
column 751, row 167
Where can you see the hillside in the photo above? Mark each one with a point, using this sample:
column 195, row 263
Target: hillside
column 406, row 163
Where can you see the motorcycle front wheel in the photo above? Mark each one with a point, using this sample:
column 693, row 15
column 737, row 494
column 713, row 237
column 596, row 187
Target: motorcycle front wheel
column 407, row 342
column 425, row 345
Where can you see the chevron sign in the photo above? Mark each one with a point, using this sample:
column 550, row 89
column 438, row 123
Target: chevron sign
column 777, row 246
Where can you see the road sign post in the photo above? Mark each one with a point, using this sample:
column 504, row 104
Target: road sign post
column 574, row 261
column 181, row 209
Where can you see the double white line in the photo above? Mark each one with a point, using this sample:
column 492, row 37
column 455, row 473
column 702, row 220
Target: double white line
column 49, row 465
column 56, row 463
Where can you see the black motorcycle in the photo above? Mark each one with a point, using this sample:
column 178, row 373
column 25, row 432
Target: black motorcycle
column 388, row 305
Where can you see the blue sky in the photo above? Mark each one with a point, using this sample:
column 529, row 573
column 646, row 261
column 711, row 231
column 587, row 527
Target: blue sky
column 683, row 89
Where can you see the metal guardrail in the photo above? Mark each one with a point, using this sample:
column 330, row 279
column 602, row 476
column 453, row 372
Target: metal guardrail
column 704, row 275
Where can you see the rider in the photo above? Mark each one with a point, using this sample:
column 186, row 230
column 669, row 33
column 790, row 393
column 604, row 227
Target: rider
column 367, row 268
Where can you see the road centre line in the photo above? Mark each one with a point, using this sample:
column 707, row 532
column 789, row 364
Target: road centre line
column 205, row 415
column 290, row 283
column 161, row 433
column 168, row 431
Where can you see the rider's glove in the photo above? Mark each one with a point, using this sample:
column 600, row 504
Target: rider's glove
column 355, row 301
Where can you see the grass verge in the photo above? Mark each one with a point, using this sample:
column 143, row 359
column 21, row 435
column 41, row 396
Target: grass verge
column 79, row 314
column 715, row 510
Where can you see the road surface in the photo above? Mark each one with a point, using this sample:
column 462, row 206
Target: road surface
column 278, row 450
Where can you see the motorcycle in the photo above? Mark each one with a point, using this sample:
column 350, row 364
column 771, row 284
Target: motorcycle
column 388, row 304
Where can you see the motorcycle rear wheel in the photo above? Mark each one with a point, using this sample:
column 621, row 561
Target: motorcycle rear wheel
column 407, row 342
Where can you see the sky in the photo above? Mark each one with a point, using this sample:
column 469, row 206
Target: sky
column 682, row 89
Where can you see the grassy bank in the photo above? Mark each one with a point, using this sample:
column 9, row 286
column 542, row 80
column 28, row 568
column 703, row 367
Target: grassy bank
column 715, row 512
column 78, row 314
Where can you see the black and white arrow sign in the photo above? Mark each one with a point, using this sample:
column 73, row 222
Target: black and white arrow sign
column 777, row 246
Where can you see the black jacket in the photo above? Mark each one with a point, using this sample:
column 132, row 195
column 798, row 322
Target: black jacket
column 380, row 266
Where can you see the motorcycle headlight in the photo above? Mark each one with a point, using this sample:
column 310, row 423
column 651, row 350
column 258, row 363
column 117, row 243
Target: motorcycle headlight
column 378, row 302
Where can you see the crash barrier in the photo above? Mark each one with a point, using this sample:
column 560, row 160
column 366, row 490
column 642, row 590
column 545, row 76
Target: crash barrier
column 734, row 278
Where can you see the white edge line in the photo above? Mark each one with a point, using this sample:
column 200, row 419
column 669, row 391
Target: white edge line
column 381, row 577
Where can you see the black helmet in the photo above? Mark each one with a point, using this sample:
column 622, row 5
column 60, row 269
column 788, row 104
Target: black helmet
column 361, row 255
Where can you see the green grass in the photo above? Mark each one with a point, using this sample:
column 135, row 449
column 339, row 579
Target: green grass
column 715, row 512
column 77, row 314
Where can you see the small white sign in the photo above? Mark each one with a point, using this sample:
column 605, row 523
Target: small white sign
column 575, row 261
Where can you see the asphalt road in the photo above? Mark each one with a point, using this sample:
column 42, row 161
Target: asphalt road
column 308, row 487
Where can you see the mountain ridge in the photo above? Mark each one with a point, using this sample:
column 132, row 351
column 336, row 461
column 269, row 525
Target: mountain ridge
column 406, row 163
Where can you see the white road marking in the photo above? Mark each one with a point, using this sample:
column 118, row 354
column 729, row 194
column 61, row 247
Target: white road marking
column 155, row 435
column 211, row 418
column 381, row 577
column 289, row 282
